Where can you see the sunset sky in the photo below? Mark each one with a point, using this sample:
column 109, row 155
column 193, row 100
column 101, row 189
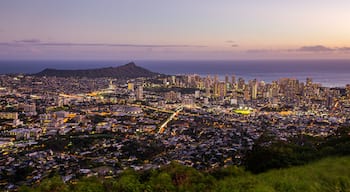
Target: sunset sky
column 174, row 29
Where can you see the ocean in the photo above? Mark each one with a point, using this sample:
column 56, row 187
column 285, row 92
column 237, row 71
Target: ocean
column 330, row 73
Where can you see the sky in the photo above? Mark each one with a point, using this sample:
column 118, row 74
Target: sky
column 174, row 29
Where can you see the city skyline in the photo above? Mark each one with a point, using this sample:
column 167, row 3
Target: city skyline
column 185, row 95
column 174, row 30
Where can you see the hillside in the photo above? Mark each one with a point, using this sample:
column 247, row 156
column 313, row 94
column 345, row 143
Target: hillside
column 330, row 174
column 129, row 70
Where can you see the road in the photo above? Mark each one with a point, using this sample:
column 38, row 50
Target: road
column 172, row 116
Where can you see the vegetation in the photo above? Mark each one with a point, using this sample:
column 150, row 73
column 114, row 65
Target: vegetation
column 330, row 174
column 271, row 165
column 269, row 153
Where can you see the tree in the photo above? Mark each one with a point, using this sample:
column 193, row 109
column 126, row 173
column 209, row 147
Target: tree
column 54, row 184
column 161, row 182
column 128, row 182
column 88, row 185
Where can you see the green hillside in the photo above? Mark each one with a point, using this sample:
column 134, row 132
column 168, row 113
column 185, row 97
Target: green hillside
column 330, row 174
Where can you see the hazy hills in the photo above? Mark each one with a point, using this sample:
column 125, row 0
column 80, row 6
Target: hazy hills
column 130, row 70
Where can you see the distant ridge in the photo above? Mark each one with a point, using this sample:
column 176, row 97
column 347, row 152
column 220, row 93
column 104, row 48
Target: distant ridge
column 130, row 70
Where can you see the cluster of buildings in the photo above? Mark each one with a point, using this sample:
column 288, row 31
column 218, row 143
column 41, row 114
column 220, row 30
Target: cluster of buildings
column 80, row 127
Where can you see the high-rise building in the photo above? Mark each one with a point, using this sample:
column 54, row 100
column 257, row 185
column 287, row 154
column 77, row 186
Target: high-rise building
column 329, row 102
column 220, row 89
column 254, row 89
column 207, row 85
column 173, row 79
column 308, row 81
column 139, row 92
column 227, row 82
column 233, row 79
column 347, row 88
column 216, row 79
column 197, row 94
column 274, row 89
column 216, row 89
column 172, row 96
column 241, row 83
column 131, row 86
column 246, row 94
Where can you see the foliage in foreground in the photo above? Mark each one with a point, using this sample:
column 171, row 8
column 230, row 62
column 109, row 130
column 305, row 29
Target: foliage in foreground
column 330, row 174
column 269, row 153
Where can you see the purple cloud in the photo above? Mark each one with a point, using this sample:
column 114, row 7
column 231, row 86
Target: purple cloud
column 316, row 48
column 310, row 49
column 28, row 41
column 233, row 43
column 37, row 42
column 117, row 45
column 343, row 49
column 260, row 50
column 4, row 44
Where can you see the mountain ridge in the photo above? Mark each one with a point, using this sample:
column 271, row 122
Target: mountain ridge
column 129, row 70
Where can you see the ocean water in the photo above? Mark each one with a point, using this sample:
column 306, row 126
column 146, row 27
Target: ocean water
column 331, row 73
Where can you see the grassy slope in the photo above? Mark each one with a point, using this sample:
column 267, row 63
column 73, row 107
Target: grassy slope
column 331, row 174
